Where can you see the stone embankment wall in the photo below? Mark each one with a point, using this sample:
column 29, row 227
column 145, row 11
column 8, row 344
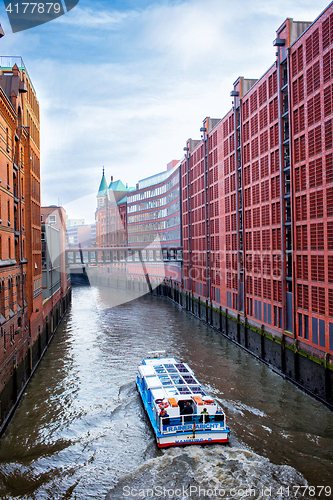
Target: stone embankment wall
column 310, row 371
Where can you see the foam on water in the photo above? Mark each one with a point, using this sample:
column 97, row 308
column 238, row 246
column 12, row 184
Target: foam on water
column 211, row 471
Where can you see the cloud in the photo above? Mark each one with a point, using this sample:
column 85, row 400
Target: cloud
column 93, row 18
column 126, row 88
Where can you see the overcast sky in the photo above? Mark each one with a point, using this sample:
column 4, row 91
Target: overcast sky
column 124, row 84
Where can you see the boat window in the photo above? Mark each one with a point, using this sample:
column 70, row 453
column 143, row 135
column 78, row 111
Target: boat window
column 197, row 390
column 184, row 390
column 166, row 382
column 160, row 370
column 189, row 379
column 177, row 379
column 168, row 366
column 181, row 368
column 172, row 370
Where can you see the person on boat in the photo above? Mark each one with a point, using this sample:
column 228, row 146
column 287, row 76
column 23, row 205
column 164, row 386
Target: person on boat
column 187, row 410
column 165, row 417
column 204, row 416
column 219, row 416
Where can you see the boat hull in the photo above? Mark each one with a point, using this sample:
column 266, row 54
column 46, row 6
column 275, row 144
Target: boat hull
column 181, row 440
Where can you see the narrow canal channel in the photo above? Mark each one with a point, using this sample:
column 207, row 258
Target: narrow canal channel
column 81, row 433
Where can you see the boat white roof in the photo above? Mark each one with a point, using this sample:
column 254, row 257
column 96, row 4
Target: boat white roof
column 170, row 377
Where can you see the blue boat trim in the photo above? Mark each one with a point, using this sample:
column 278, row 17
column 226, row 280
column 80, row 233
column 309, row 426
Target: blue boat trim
column 166, row 383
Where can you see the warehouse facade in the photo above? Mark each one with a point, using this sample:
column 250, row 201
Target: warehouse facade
column 257, row 195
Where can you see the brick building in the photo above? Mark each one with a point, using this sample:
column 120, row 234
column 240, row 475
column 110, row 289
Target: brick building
column 153, row 221
column 20, row 236
column 257, row 194
column 110, row 216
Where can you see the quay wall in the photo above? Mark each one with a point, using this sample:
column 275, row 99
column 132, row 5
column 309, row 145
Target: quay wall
column 311, row 371
column 22, row 372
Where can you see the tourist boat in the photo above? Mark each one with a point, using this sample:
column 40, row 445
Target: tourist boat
column 164, row 383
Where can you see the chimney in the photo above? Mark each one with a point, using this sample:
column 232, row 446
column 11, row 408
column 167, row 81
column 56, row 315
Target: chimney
column 111, row 178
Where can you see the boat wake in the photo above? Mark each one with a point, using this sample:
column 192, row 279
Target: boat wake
column 209, row 472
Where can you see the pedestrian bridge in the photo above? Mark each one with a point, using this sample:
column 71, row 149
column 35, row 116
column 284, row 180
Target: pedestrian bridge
column 78, row 257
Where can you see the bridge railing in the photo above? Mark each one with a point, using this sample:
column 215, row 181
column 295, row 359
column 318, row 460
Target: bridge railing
column 100, row 256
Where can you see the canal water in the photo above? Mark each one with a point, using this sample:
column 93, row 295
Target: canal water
column 80, row 431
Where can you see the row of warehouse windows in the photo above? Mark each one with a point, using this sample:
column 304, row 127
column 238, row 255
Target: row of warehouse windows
column 315, row 141
column 253, row 219
column 317, row 268
column 264, row 240
column 318, row 299
column 228, row 126
column 260, row 145
column 315, row 175
column 198, row 243
column 229, row 164
column 314, row 145
column 259, row 287
column 254, row 237
column 254, row 172
column 199, row 229
column 315, row 208
column 311, row 50
column 250, row 105
column 257, row 263
column 199, row 213
column 255, row 124
column 317, row 239
column 312, row 78
column 261, row 192
column 197, row 177
column 252, row 194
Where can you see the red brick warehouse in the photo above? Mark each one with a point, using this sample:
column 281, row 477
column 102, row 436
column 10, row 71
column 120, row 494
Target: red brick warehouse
column 257, row 194
column 20, row 237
